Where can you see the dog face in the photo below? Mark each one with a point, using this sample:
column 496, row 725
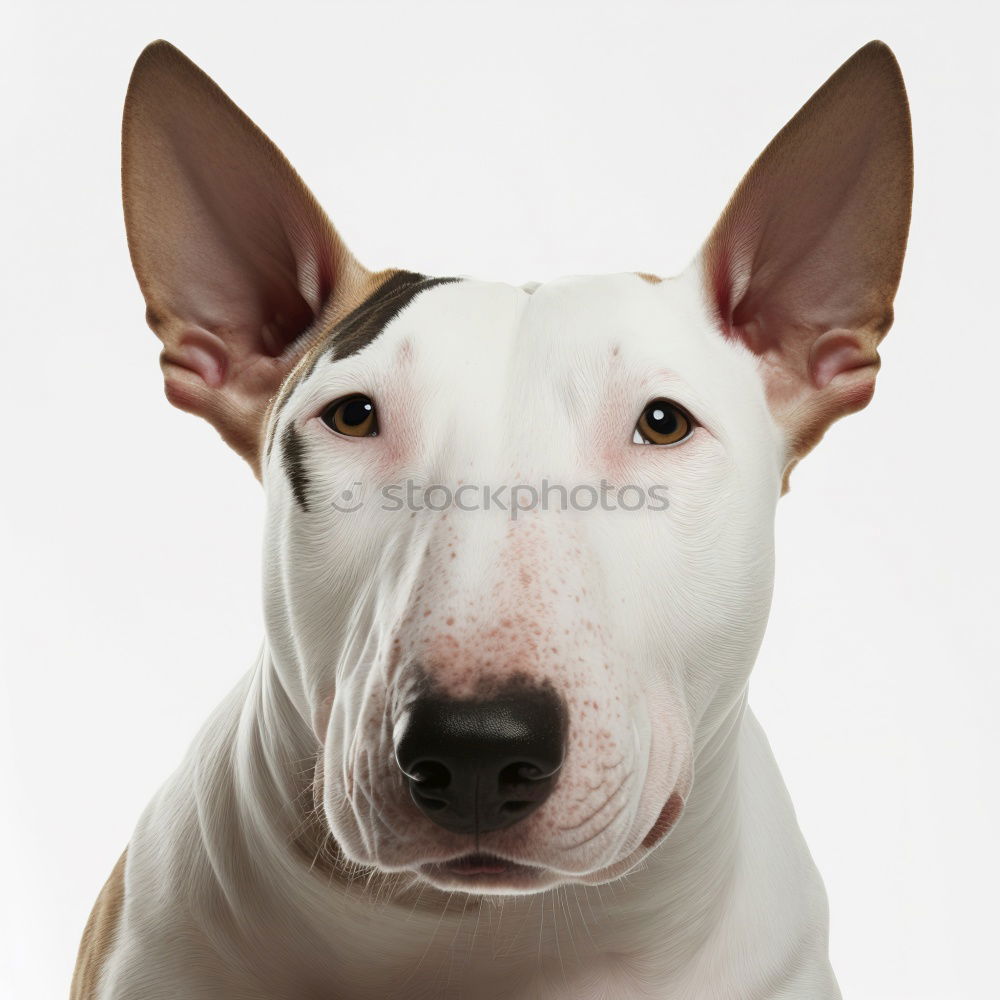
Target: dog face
column 640, row 621
column 518, row 555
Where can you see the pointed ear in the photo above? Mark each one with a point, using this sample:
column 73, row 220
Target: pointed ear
column 237, row 262
column 803, row 264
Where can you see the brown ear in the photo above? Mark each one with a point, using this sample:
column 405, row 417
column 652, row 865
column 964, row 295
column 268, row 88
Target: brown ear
column 803, row 264
column 236, row 260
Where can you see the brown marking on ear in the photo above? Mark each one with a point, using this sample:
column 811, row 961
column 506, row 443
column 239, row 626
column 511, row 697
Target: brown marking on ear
column 99, row 935
column 804, row 262
column 235, row 258
column 651, row 278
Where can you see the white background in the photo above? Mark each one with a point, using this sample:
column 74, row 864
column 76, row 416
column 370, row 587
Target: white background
column 513, row 142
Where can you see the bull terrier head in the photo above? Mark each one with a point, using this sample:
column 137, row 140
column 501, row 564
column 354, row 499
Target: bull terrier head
column 518, row 556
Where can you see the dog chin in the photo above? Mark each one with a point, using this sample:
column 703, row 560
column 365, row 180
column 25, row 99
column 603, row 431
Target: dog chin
column 490, row 875
column 487, row 875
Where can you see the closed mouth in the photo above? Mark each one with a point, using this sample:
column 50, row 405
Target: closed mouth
column 483, row 870
column 478, row 864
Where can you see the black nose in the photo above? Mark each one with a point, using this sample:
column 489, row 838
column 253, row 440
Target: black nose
column 474, row 766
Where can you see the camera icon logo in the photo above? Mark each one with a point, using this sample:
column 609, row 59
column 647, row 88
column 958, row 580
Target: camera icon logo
column 349, row 500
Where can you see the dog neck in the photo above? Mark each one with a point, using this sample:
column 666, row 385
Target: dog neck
column 281, row 876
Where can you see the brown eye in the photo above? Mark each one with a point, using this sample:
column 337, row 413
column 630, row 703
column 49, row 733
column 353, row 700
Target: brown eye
column 664, row 423
column 353, row 416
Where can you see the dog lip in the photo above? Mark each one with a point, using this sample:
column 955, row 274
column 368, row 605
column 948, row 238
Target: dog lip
column 479, row 864
column 665, row 821
column 484, row 872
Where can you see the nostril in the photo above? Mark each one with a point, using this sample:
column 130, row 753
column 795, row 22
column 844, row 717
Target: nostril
column 522, row 786
column 430, row 775
column 428, row 781
column 524, row 773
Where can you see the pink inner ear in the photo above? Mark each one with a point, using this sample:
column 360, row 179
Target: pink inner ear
column 835, row 352
column 728, row 281
column 235, row 258
column 202, row 353
column 802, row 266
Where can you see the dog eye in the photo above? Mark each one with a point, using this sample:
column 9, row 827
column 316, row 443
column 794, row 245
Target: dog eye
column 352, row 415
column 663, row 423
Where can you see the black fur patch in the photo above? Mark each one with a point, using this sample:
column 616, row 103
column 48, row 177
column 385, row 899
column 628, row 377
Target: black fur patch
column 361, row 326
column 295, row 466
column 352, row 334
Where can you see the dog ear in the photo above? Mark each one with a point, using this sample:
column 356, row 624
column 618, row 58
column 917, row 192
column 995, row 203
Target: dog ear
column 803, row 264
column 237, row 262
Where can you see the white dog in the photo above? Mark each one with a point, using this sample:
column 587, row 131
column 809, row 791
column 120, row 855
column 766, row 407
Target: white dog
column 518, row 564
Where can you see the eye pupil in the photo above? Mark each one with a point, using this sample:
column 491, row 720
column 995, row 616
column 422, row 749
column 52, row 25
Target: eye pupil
column 664, row 423
column 355, row 412
column 353, row 416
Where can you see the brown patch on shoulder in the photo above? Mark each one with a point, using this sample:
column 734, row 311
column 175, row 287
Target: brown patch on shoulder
column 651, row 278
column 99, row 935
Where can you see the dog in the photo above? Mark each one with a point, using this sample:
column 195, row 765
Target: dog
column 518, row 563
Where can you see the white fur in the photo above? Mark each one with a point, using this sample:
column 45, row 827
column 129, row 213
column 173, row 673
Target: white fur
column 647, row 622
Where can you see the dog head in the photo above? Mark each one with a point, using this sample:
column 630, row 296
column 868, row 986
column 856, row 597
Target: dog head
column 519, row 539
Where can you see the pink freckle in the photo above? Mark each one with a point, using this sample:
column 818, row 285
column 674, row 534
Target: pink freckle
column 450, row 621
column 427, row 613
